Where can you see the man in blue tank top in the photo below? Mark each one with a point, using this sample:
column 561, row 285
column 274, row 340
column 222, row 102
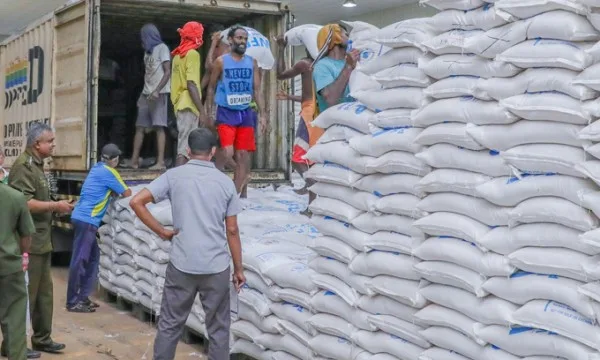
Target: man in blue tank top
column 234, row 84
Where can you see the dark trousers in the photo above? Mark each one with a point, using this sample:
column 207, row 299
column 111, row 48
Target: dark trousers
column 13, row 313
column 85, row 259
column 41, row 298
column 178, row 297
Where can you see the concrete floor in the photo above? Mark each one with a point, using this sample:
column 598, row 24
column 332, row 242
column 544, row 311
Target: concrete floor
column 107, row 334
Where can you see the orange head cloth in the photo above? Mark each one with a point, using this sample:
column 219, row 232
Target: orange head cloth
column 191, row 38
column 328, row 37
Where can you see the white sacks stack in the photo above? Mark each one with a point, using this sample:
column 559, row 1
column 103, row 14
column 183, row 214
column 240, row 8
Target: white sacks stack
column 507, row 183
column 366, row 172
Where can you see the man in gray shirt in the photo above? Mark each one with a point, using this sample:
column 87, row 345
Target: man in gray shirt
column 205, row 206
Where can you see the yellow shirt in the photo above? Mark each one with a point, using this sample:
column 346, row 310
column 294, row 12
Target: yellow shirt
column 184, row 70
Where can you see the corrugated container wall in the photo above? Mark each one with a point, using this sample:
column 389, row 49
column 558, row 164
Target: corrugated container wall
column 25, row 77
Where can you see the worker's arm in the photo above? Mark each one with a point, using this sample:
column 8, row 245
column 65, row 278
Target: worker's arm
column 25, row 227
column 138, row 204
column 234, row 207
column 294, row 98
column 165, row 78
column 332, row 89
column 215, row 74
column 282, row 73
column 210, row 57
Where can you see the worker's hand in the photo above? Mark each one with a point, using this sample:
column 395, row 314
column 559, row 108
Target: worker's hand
column 352, row 58
column 63, row 207
column 282, row 96
column 25, row 262
column 153, row 96
column 167, row 234
column 263, row 124
column 281, row 40
column 215, row 37
column 238, row 279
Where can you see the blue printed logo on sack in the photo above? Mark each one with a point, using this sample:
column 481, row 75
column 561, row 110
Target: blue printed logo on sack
column 358, row 108
column 523, row 329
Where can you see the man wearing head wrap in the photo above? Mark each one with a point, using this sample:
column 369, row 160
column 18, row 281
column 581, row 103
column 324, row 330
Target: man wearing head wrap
column 152, row 104
column 185, row 86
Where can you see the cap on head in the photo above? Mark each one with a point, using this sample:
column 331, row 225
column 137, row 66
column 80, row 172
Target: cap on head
column 110, row 152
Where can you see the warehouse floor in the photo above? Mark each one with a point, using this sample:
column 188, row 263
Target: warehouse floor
column 109, row 333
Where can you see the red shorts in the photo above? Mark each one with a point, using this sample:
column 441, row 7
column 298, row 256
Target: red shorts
column 240, row 137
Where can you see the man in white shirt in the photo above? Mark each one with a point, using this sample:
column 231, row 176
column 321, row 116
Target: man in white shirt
column 152, row 104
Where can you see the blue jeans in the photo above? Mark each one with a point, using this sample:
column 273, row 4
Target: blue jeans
column 85, row 259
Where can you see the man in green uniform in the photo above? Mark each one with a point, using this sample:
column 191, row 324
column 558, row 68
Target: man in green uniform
column 27, row 176
column 16, row 228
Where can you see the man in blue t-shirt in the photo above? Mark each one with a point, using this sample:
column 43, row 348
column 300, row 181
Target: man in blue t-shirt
column 102, row 182
column 234, row 85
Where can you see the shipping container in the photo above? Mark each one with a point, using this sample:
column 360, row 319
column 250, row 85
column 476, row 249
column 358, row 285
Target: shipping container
column 80, row 68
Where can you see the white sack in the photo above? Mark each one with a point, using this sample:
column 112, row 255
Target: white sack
column 293, row 296
column 329, row 303
column 590, row 169
column 454, row 225
column 559, row 318
column 380, row 342
column 523, row 287
column 497, row 40
column 330, row 325
column 456, row 86
column 254, row 281
column 453, row 64
column 590, row 77
column 590, row 200
column 400, row 328
column 453, row 4
column 370, row 223
column 572, row 27
column 359, row 199
column 591, row 132
column 384, row 184
column 337, row 229
column 377, row 263
column 242, row 346
column 352, row 114
column 453, row 340
column 525, row 341
column 393, row 57
column 332, row 174
column 400, row 204
column 385, row 99
column 381, row 142
column 334, row 208
column 384, row 305
column 338, row 133
column 360, row 82
column 538, row 80
column 404, row 74
column 338, row 152
column 411, row 33
column 549, row 53
column 393, row 118
column 402, row 290
column 452, row 180
column 295, row 275
column 489, row 310
column 464, row 254
column 305, row 35
column 547, row 106
column 341, row 271
column 334, row 248
column 441, row 272
column 449, row 156
column 451, row 42
column 295, row 314
column 436, row 353
column 593, row 150
column 336, row 286
column 504, row 137
column 394, row 162
column 549, row 209
column 255, row 300
column 391, row 241
column 545, row 158
column 448, row 133
column 527, row 8
column 436, row 315
column 463, row 110
column 505, row 241
column 483, row 17
column 475, row 208
column 556, row 261
column 333, row 347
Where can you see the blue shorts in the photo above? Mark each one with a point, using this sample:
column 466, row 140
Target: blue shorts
column 236, row 118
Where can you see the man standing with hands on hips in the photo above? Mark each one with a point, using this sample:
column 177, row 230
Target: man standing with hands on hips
column 234, row 84
column 205, row 206
column 27, row 176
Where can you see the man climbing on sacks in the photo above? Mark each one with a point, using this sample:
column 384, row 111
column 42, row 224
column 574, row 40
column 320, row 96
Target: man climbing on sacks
column 306, row 134
column 205, row 206
column 234, row 83
column 185, row 86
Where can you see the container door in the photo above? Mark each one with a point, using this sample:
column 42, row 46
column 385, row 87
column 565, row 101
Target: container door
column 70, row 92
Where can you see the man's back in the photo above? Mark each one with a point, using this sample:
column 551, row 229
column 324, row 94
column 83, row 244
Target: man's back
column 185, row 69
column 15, row 221
column 201, row 197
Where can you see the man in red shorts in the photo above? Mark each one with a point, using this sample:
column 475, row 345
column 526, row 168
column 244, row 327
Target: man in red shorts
column 234, row 84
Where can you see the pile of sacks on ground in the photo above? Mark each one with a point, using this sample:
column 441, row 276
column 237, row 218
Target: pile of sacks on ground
column 458, row 196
